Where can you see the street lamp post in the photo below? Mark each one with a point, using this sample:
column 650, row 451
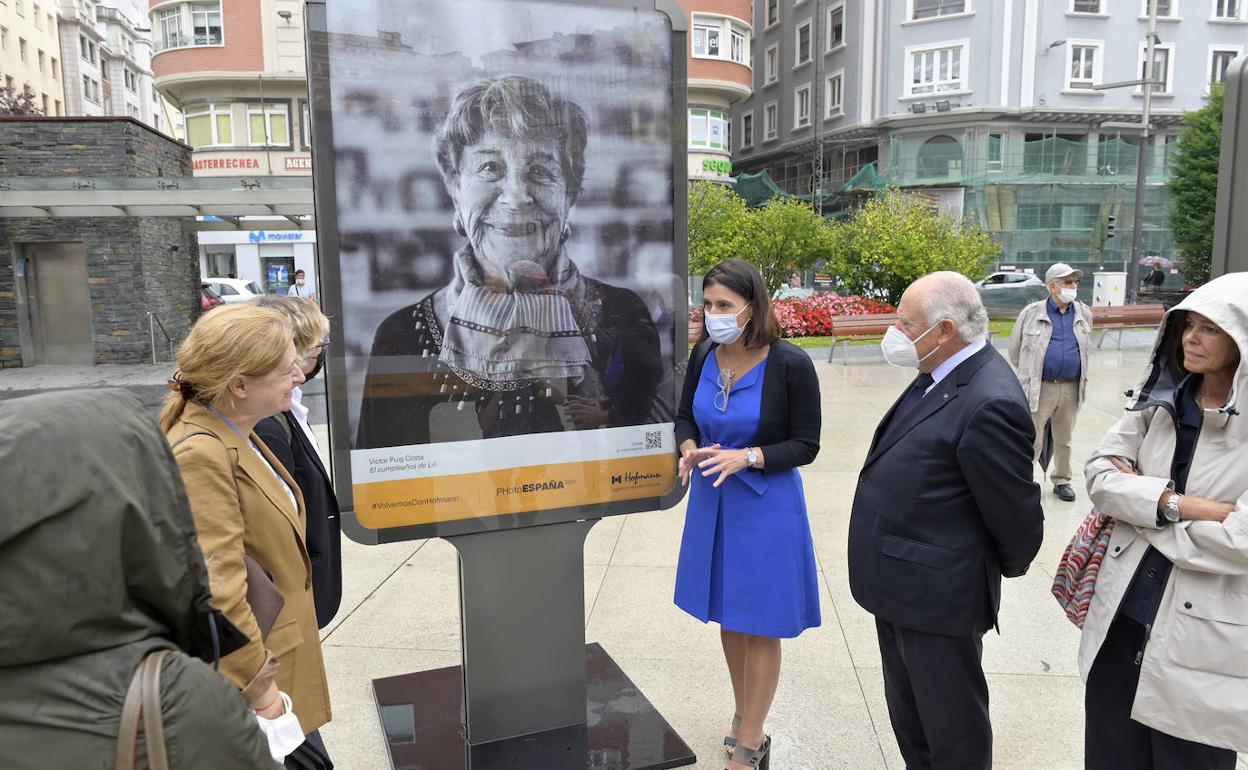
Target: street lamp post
column 1141, row 170
column 1147, row 81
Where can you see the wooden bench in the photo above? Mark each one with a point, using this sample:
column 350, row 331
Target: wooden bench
column 1117, row 318
column 858, row 327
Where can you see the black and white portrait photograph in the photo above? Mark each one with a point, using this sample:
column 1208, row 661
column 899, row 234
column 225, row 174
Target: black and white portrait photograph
column 509, row 284
column 504, row 196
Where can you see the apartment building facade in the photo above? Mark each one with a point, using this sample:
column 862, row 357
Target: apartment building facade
column 30, row 53
column 987, row 107
column 235, row 68
column 720, row 76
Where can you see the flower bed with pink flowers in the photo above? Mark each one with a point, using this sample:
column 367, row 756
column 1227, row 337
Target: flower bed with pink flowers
column 810, row 316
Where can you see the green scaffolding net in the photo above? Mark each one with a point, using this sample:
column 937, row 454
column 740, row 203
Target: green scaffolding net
column 1044, row 198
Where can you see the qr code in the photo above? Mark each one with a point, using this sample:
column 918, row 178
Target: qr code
column 654, row 439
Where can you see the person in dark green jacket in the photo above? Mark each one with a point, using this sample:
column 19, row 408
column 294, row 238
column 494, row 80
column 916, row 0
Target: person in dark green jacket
column 99, row 566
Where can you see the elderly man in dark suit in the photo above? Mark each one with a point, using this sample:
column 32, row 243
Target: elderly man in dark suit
column 945, row 507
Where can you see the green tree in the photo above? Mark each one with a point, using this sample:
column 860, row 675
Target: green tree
column 1194, row 186
column 787, row 235
column 718, row 222
column 896, row 238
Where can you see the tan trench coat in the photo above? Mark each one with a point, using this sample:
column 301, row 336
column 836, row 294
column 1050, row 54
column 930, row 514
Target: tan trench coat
column 269, row 528
column 1194, row 675
column 1030, row 341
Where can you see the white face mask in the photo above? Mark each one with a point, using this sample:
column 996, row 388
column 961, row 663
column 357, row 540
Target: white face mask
column 722, row 327
column 1068, row 295
column 900, row 351
column 300, row 282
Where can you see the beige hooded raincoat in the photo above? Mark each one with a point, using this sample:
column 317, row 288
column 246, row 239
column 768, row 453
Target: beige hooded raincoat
column 1194, row 675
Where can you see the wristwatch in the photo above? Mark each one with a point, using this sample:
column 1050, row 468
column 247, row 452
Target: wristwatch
column 1171, row 511
column 751, row 458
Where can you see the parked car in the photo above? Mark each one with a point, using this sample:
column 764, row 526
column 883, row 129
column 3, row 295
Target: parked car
column 234, row 289
column 1005, row 293
column 208, row 297
column 1010, row 281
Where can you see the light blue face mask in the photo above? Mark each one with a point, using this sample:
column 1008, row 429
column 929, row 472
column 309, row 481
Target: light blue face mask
column 722, row 327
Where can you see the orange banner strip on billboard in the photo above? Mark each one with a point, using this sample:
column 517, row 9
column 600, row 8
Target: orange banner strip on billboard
column 406, row 502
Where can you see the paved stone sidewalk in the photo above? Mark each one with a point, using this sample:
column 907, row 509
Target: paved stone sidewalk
column 400, row 610
column 400, row 613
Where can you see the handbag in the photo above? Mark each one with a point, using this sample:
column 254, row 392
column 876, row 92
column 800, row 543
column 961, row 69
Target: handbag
column 1075, row 581
column 143, row 702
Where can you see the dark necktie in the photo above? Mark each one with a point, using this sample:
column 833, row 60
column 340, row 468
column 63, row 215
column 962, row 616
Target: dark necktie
column 912, row 398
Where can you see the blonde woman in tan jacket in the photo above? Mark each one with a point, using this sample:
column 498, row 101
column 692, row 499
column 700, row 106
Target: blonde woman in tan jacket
column 1165, row 645
column 237, row 367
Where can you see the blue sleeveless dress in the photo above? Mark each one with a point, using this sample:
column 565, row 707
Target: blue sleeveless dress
column 746, row 559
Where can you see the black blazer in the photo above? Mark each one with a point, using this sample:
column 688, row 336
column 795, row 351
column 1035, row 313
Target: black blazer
column 946, row 504
column 324, row 529
column 788, row 424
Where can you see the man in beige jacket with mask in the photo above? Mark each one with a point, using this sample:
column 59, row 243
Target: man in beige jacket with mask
column 1049, row 349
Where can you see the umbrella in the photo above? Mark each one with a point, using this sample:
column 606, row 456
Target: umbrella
column 1156, row 260
column 1046, row 449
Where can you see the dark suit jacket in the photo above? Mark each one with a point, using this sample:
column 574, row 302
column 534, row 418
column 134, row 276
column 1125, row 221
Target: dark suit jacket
column 946, row 504
column 788, row 424
column 324, row 535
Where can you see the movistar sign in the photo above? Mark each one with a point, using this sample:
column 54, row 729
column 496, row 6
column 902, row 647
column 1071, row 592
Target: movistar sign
column 265, row 236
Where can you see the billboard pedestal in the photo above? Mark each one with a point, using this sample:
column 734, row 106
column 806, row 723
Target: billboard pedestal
column 529, row 694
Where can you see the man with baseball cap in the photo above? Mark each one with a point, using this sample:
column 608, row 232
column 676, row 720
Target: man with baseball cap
column 1049, row 349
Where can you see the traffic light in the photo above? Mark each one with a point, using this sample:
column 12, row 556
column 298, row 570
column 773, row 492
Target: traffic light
column 1109, row 226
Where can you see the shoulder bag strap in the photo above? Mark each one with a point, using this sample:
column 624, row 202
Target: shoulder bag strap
column 153, row 714
column 128, row 731
column 143, row 702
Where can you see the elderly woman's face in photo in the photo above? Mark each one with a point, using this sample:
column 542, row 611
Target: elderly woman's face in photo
column 512, row 197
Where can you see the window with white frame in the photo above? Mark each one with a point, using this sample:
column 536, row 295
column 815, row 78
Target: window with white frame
column 1163, row 67
column 802, row 43
column 53, row 64
column 1219, row 59
column 1085, row 6
column 1165, row 9
column 202, row 19
column 717, row 37
column 773, row 12
column 4, row 39
column 747, row 130
column 91, row 89
column 836, row 27
column 1085, row 64
column 937, row 69
column 996, row 153
column 769, row 121
column 931, row 9
column 87, row 47
column 708, row 128
column 209, row 125
column 1228, row 10
column 771, row 63
column 169, row 25
column 801, row 106
column 268, row 124
column 206, row 23
column 132, row 80
column 706, row 39
column 834, row 94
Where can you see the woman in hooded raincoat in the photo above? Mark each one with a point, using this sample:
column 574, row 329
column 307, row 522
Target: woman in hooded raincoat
column 1165, row 644
column 99, row 566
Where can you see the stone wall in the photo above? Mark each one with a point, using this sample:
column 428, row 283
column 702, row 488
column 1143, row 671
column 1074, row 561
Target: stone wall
column 88, row 147
column 135, row 265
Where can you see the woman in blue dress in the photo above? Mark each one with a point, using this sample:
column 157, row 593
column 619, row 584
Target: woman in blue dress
column 749, row 416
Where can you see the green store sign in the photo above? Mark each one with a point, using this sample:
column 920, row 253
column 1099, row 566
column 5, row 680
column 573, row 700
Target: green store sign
column 721, row 167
